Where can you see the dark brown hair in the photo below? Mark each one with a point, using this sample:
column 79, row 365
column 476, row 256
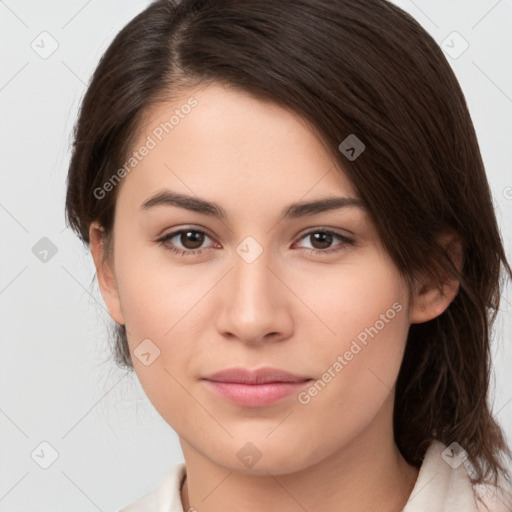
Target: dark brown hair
column 365, row 68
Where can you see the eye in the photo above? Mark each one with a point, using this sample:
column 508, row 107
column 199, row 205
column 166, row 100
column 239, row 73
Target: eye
column 190, row 238
column 322, row 240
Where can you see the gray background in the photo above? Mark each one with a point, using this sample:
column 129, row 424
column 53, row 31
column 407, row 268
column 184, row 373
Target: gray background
column 57, row 384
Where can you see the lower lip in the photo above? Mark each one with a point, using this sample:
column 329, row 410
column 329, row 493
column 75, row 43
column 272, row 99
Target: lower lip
column 255, row 395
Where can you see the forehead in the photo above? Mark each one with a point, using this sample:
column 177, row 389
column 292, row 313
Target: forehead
column 225, row 144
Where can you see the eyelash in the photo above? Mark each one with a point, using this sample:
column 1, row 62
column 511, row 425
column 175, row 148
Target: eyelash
column 345, row 241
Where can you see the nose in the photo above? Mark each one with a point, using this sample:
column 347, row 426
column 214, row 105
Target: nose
column 256, row 304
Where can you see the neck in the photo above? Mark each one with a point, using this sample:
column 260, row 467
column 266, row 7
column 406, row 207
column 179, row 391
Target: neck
column 367, row 473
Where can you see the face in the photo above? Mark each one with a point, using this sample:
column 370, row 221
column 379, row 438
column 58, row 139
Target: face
column 312, row 292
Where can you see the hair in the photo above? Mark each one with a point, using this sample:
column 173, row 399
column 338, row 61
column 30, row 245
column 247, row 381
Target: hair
column 364, row 68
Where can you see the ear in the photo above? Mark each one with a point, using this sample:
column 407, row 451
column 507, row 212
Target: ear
column 104, row 272
column 431, row 297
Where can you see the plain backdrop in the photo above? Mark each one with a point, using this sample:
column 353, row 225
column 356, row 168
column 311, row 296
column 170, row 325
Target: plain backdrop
column 103, row 441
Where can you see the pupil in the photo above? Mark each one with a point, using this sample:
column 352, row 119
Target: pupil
column 195, row 237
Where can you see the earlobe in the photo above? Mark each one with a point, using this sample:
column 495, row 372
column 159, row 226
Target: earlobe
column 104, row 273
column 432, row 297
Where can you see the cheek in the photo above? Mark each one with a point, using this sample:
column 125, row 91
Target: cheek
column 364, row 357
column 359, row 358
column 349, row 299
column 372, row 357
column 156, row 295
column 355, row 381
column 163, row 304
column 160, row 322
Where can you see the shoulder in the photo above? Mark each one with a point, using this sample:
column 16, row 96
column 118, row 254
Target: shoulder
column 444, row 484
column 166, row 497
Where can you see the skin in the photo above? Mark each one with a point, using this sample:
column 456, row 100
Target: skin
column 288, row 309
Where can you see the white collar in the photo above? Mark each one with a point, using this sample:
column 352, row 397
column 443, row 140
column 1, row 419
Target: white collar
column 441, row 487
column 438, row 488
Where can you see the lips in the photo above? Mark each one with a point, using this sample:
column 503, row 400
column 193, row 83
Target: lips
column 263, row 375
column 255, row 388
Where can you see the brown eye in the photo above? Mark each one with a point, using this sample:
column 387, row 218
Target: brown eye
column 184, row 241
column 192, row 239
column 322, row 240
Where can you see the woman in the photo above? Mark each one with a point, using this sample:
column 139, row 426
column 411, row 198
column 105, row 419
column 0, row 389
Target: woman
column 293, row 231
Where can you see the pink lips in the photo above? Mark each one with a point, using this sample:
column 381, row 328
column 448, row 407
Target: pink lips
column 255, row 388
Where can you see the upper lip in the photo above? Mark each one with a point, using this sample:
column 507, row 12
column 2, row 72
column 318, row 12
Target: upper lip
column 258, row 376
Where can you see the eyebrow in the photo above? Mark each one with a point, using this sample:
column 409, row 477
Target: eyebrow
column 291, row 211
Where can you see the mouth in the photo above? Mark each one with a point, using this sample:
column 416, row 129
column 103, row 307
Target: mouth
column 255, row 388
